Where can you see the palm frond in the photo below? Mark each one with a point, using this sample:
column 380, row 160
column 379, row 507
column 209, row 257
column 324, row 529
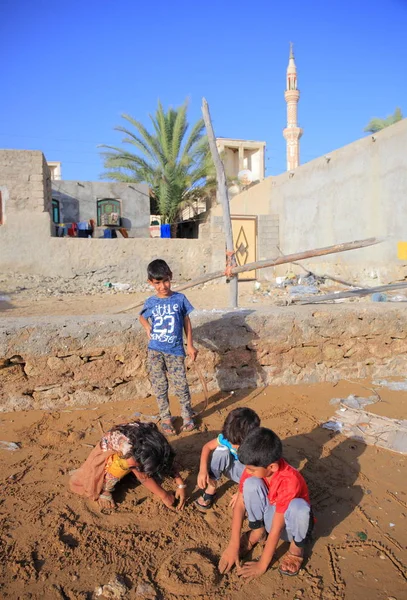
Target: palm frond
column 176, row 165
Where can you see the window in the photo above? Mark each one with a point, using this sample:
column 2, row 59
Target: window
column 55, row 211
column 108, row 212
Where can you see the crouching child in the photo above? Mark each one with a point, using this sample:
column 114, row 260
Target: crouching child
column 138, row 448
column 219, row 456
column 276, row 499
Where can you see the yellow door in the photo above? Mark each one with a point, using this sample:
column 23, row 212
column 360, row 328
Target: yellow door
column 245, row 243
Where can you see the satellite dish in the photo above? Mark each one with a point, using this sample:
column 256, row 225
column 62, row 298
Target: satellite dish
column 245, row 177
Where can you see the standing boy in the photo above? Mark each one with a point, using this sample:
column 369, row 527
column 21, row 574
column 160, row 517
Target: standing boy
column 164, row 318
column 276, row 499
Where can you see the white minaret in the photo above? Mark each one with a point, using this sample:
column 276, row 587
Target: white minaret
column 292, row 132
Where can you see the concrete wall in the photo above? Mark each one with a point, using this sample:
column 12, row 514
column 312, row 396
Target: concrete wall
column 25, row 188
column 78, row 202
column 26, row 245
column 56, row 362
column 352, row 193
column 117, row 260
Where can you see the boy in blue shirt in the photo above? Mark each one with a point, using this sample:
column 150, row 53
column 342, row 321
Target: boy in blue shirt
column 165, row 317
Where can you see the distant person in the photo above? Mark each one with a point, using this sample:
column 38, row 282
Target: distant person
column 276, row 499
column 165, row 317
column 223, row 455
column 138, row 448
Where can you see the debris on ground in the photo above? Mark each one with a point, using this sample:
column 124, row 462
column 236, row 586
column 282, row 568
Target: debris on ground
column 371, row 429
column 298, row 290
column 146, row 590
column 114, row 590
column 333, row 426
column 395, row 386
column 9, row 446
column 353, row 401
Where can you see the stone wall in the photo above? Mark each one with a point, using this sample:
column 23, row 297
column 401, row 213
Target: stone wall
column 57, row 362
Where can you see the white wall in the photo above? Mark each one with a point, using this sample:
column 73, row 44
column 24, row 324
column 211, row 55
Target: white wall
column 353, row 193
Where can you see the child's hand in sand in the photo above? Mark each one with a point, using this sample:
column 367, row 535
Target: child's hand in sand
column 180, row 495
column 203, row 480
column 169, row 500
column 252, row 569
column 229, row 558
column 233, row 500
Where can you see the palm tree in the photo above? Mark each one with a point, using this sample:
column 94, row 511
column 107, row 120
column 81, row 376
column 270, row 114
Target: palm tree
column 377, row 124
column 173, row 160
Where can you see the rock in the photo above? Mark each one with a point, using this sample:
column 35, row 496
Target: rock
column 75, row 436
column 54, row 363
column 146, row 590
column 114, row 590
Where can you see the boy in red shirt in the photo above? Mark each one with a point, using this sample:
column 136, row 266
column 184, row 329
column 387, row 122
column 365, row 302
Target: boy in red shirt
column 276, row 499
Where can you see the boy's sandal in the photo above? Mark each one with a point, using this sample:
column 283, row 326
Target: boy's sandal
column 293, row 561
column 168, row 428
column 188, row 426
column 208, row 499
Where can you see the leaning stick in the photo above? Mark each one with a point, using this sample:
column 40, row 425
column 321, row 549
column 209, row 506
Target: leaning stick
column 349, row 293
column 271, row 262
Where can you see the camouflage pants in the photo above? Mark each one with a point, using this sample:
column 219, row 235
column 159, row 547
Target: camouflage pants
column 162, row 367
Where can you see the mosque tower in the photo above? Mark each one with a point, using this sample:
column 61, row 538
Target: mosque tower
column 292, row 132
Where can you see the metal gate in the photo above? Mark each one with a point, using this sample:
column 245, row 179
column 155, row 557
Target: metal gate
column 245, row 243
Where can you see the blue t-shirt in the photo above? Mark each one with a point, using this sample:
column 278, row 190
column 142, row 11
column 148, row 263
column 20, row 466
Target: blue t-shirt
column 166, row 316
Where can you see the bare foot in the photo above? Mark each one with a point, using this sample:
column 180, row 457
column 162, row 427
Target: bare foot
column 250, row 539
column 105, row 500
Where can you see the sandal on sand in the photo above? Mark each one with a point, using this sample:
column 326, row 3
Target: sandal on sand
column 188, row 426
column 293, row 561
column 208, row 499
column 107, row 497
column 168, row 428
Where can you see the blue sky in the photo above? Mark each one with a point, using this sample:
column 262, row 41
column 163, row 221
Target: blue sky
column 70, row 68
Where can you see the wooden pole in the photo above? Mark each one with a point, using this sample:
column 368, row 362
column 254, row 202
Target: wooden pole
column 272, row 262
column 224, row 200
column 350, row 293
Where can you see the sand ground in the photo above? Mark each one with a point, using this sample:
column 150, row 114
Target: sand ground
column 56, row 545
column 26, row 302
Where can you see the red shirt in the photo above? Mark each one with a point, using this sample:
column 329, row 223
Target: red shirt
column 283, row 486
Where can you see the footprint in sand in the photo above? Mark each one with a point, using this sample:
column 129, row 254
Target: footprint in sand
column 188, row 573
